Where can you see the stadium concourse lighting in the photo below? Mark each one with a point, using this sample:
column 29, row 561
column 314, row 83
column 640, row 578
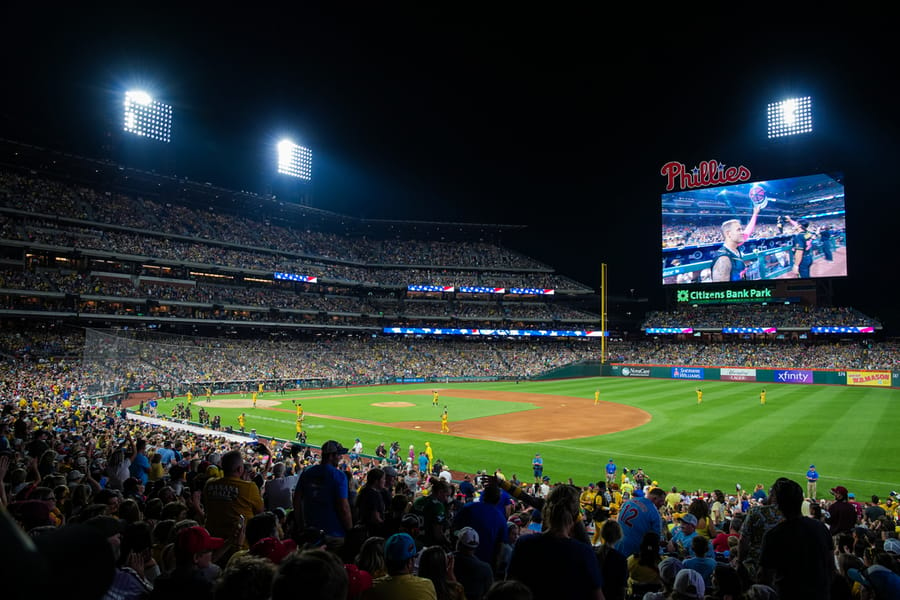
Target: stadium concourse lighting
column 790, row 117
column 146, row 117
column 294, row 160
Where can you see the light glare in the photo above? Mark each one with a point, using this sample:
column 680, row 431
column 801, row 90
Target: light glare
column 790, row 117
column 146, row 117
column 294, row 160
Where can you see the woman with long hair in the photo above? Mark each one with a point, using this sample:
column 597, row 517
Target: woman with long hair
column 700, row 509
column 613, row 563
column 643, row 565
column 554, row 560
column 435, row 564
column 370, row 557
column 717, row 511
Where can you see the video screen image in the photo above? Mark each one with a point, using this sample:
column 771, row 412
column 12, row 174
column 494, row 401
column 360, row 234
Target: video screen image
column 781, row 229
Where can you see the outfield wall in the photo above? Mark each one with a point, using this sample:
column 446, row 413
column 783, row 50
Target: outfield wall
column 850, row 377
column 584, row 368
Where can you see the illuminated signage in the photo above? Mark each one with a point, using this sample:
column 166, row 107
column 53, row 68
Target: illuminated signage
column 493, row 332
column 295, row 277
column 724, row 296
column 707, row 173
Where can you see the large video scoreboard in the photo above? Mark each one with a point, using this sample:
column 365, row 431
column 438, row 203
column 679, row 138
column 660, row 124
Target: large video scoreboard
column 754, row 231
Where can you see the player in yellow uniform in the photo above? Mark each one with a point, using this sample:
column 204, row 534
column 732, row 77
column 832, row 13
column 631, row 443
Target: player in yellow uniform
column 260, row 388
column 242, row 422
column 190, row 397
column 762, row 396
column 299, row 412
column 445, row 427
column 299, row 427
column 209, row 394
column 434, row 398
column 596, row 397
column 254, row 396
column 699, row 396
column 429, row 454
column 586, row 501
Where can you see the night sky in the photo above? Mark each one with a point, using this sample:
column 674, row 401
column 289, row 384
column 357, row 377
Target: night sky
column 559, row 122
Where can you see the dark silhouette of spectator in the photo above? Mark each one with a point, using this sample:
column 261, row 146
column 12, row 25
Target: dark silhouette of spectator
column 796, row 555
column 312, row 575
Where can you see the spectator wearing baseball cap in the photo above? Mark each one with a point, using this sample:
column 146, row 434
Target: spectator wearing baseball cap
column 399, row 558
column 682, row 537
column 194, row 548
column 689, row 584
column 841, row 514
column 475, row 574
column 322, row 496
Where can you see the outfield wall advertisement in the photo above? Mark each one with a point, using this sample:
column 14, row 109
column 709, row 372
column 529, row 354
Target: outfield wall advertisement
column 729, row 374
column 791, row 376
column 870, row 378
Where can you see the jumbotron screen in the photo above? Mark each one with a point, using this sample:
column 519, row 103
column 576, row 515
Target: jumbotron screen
column 782, row 229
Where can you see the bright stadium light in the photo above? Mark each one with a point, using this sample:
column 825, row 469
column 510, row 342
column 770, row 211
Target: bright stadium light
column 790, row 117
column 294, row 160
column 146, row 117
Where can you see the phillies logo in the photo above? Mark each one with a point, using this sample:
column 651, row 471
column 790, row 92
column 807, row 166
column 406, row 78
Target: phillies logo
column 708, row 172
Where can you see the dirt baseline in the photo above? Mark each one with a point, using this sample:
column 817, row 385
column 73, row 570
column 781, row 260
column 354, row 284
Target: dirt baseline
column 553, row 418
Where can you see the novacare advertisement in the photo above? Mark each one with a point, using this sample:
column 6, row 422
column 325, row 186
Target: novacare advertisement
column 636, row 371
column 870, row 378
column 726, row 374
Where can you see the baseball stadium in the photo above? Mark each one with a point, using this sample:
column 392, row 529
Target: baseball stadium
column 194, row 377
column 141, row 323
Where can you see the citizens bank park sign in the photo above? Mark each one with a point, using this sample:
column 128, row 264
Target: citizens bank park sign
column 705, row 174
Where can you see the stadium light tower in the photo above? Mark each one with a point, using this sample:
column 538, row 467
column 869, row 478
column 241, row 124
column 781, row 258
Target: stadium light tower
column 147, row 117
column 294, row 160
column 790, row 117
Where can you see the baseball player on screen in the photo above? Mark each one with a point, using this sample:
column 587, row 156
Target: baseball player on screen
column 728, row 264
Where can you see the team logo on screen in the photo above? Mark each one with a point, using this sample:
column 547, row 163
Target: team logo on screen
column 706, row 173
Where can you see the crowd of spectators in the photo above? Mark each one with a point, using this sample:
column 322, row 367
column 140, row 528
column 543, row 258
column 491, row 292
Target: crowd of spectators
column 677, row 236
column 199, row 297
column 772, row 354
column 775, row 315
column 132, row 225
column 141, row 510
column 214, row 253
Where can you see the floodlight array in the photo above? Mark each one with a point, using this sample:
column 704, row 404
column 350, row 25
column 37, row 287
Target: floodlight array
column 790, row 117
column 294, row 160
column 147, row 118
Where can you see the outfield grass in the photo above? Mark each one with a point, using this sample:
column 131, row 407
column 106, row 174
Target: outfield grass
column 849, row 433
